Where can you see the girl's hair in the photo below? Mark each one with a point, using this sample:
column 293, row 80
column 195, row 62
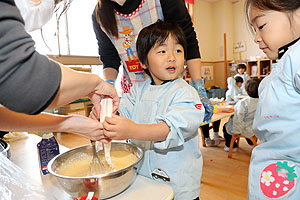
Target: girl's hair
column 156, row 34
column 105, row 16
column 286, row 6
column 242, row 66
column 251, row 87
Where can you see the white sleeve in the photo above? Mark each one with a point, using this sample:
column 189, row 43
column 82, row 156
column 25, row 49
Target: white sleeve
column 238, row 118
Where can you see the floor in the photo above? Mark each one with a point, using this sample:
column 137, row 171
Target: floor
column 222, row 178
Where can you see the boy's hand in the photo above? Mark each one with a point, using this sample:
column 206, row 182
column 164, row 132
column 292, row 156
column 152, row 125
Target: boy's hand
column 119, row 128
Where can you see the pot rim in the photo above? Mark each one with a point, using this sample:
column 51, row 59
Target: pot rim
column 49, row 166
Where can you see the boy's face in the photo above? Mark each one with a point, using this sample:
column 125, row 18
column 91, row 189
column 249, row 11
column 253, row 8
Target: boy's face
column 241, row 71
column 239, row 84
column 165, row 61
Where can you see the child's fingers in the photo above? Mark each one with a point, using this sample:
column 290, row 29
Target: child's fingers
column 110, row 134
column 113, row 119
column 108, row 125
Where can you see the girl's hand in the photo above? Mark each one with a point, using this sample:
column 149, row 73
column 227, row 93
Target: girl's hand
column 119, row 128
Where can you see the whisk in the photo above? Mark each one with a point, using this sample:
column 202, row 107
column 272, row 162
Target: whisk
column 96, row 166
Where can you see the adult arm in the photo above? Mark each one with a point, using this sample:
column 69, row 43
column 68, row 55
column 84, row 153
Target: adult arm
column 29, row 82
column 176, row 10
column 107, row 52
column 77, row 84
column 81, row 125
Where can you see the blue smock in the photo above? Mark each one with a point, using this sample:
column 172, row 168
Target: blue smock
column 275, row 163
column 178, row 105
column 242, row 120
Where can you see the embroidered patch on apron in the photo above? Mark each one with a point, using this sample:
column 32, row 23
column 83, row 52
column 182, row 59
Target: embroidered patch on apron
column 278, row 179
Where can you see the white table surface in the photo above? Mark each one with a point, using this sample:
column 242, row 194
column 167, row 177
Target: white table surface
column 24, row 154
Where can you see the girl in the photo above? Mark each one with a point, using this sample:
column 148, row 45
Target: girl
column 162, row 115
column 275, row 164
column 241, row 69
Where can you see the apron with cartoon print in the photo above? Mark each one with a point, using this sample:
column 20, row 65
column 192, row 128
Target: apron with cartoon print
column 129, row 26
column 275, row 163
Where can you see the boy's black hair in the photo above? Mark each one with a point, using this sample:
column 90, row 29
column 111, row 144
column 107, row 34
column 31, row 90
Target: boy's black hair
column 239, row 79
column 241, row 66
column 251, row 87
column 157, row 33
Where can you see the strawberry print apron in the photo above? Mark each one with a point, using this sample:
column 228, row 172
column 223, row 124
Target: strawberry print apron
column 275, row 163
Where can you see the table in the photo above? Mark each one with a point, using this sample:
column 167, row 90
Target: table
column 24, row 154
column 216, row 116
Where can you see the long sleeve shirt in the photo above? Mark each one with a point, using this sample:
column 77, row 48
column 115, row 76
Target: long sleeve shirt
column 28, row 81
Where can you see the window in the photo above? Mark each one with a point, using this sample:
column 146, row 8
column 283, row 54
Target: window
column 76, row 34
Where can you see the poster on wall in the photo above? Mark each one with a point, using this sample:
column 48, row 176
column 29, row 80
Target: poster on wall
column 239, row 47
column 207, row 72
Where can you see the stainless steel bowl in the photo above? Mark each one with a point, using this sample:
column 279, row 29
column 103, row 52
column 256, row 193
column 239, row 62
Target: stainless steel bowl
column 104, row 185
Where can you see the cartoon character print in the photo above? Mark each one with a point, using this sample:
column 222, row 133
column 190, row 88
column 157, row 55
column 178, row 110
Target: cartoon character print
column 127, row 32
column 278, row 179
column 133, row 65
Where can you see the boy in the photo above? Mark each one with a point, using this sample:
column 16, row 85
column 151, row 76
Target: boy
column 162, row 115
column 234, row 88
column 244, row 111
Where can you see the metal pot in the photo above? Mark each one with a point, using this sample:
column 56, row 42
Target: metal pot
column 104, row 185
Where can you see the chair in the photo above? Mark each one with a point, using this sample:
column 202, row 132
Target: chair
column 237, row 138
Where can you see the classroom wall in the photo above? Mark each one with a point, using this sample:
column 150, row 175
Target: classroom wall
column 211, row 21
column 243, row 33
column 203, row 24
column 218, row 74
column 223, row 23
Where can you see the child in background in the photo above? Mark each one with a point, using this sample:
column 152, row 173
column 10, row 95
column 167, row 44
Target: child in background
column 275, row 163
column 241, row 122
column 216, row 137
column 162, row 115
column 241, row 69
column 234, row 88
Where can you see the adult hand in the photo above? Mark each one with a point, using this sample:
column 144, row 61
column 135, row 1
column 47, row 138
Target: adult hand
column 84, row 126
column 106, row 90
column 209, row 108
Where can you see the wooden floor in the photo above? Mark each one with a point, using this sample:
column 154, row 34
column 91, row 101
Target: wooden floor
column 222, row 178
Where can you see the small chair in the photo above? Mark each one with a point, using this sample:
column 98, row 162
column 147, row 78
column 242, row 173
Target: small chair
column 237, row 138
